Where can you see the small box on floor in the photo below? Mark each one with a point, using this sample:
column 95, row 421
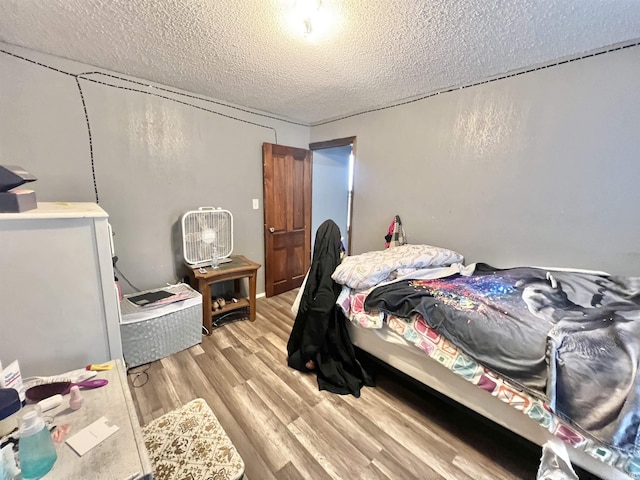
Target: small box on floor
column 160, row 328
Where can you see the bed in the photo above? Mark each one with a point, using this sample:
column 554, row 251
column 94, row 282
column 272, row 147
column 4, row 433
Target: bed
column 396, row 303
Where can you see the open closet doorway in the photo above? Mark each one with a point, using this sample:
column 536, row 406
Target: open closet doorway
column 332, row 185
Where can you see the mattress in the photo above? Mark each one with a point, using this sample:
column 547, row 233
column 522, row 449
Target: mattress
column 440, row 365
column 562, row 341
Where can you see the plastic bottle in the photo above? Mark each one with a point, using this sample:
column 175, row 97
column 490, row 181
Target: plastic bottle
column 36, row 450
column 75, row 399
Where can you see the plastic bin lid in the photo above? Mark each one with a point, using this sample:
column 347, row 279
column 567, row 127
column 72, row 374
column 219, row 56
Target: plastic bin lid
column 9, row 402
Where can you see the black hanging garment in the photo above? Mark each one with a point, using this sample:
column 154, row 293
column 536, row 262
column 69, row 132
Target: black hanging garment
column 320, row 332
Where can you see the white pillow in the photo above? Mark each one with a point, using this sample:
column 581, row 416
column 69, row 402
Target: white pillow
column 371, row 268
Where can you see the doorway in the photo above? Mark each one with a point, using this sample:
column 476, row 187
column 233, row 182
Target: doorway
column 332, row 185
column 291, row 179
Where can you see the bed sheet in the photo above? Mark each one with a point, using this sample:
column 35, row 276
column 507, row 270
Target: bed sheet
column 415, row 331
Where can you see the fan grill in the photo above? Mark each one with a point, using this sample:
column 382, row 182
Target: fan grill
column 207, row 235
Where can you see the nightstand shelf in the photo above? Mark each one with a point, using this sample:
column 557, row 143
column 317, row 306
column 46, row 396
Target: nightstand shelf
column 237, row 269
column 231, row 306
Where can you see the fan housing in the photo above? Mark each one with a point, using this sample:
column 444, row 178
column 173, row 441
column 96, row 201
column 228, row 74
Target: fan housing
column 207, row 236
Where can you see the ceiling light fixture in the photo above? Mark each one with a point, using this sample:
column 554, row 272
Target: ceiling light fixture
column 307, row 11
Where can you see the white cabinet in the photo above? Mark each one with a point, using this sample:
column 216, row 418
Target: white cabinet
column 58, row 302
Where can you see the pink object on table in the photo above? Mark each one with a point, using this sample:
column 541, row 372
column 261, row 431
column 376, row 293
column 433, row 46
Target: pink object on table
column 75, row 399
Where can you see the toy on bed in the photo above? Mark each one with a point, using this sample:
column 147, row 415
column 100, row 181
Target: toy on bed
column 561, row 346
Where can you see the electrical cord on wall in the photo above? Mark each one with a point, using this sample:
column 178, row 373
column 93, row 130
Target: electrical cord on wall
column 86, row 116
column 196, row 97
column 126, row 279
column 83, row 76
column 482, row 82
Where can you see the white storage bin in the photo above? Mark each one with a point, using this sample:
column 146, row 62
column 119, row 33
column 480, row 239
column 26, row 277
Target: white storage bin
column 152, row 333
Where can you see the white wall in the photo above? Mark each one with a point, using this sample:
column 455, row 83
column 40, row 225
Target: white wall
column 541, row 168
column 154, row 158
column 330, row 181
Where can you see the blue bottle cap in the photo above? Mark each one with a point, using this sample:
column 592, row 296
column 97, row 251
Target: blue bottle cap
column 9, row 402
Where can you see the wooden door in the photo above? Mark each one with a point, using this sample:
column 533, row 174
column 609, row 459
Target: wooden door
column 287, row 216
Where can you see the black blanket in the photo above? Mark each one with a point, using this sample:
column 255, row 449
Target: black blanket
column 319, row 332
column 571, row 338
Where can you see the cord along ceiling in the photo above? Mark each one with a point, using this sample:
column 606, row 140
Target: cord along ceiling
column 358, row 55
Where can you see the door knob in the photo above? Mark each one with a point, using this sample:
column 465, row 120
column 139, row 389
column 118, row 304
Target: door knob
column 271, row 229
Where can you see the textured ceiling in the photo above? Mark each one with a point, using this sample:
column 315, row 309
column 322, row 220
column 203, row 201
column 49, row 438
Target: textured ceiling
column 374, row 52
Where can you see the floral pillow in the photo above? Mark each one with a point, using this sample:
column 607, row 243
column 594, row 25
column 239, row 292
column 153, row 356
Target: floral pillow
column 369, row 269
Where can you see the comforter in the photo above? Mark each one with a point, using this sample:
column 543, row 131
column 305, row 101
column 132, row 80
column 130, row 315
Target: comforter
column 569, row 338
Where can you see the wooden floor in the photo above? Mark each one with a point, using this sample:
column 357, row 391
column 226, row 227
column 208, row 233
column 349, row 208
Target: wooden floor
column 284, row 428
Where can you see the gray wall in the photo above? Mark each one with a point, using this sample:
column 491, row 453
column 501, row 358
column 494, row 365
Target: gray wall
column 541, row 168
column 330, row 189
column 538, row 169
column 154, row 159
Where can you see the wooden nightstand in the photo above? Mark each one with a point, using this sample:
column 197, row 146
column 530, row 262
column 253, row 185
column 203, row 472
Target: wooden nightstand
column 238, row 268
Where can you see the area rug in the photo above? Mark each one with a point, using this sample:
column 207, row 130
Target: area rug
column 190, row 444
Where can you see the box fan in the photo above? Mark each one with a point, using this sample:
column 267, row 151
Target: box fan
column 207, row 237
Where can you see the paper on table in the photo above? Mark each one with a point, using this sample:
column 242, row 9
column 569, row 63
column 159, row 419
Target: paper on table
column 90, row 436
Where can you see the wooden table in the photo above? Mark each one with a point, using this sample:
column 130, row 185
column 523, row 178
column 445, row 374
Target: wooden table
column 238, row 268
column 123, row 455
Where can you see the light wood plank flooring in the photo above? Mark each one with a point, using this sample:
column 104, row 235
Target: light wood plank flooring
column 284, row 428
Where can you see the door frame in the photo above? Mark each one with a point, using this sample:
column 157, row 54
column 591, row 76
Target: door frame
column 340, row 142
